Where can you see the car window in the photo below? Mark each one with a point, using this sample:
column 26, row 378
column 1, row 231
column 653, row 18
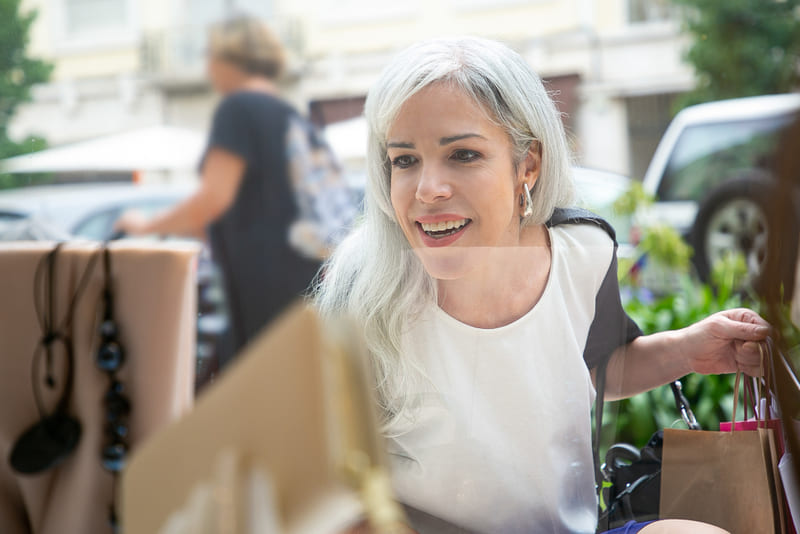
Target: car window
column 100, row 225
column 707, row 154
column 11, row 216
column 598, row 195
column 97, row 226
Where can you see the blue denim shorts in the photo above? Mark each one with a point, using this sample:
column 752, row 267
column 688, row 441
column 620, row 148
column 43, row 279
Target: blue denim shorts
column 631, row 527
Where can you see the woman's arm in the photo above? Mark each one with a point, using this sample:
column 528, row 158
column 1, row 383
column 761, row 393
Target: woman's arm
column 222, row 175
column 725, row 342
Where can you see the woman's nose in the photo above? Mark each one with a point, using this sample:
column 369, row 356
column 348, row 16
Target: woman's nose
column 433, row 185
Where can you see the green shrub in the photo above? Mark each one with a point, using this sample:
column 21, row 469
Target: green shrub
column 635, row 419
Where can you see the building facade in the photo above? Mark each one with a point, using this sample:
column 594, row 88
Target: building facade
column 612, row 65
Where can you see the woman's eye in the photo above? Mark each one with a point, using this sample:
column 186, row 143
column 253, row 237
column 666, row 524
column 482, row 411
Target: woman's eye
column 403, row 162
column 465, row 156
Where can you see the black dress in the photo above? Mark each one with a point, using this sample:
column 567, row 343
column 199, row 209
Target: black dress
column 262, row 273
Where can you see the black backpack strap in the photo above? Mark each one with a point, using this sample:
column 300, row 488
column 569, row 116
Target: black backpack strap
column 599, row 404
column 609, row 292
column 580, row 216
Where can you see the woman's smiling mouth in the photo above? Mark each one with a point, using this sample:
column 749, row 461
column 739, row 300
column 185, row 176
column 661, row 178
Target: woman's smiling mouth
column 442, row 233
column 444, row 228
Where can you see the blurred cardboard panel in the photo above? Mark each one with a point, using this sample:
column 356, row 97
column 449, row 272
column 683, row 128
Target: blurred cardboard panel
column 268, row 414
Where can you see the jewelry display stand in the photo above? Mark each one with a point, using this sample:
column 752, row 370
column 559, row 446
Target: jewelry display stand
column 155, row 295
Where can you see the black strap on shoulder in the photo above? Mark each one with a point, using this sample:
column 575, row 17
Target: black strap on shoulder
column 583, row 216
column 580, row 216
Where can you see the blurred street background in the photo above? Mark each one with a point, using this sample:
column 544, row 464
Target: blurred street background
column 614, row 66
column 98, row 91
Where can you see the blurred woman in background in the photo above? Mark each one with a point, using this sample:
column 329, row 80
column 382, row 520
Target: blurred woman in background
column 245, row 201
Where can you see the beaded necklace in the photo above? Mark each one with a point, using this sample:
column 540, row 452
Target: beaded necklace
column 52, row 439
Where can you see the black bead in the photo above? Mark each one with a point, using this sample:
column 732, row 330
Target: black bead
column 116, row 386
column 114, row 457
column 110, row 357
column 108, row 329
column 119, row 431
column 45, row 444
column 117, row 406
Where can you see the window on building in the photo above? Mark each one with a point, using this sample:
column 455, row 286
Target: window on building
column 201, row 13
column 324, row 112
column 650, row 10
column 81, row 25
column 180, row 49
column 648, row 118
column 564, row 92
column 258, row 8
column 88, row 16
column 347, row 12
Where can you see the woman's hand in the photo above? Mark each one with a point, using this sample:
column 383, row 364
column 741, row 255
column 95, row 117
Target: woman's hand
column 132, row 222
column 726, row 342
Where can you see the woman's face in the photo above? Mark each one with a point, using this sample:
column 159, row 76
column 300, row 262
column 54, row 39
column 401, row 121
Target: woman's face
column 454, row 187
column 222, row 74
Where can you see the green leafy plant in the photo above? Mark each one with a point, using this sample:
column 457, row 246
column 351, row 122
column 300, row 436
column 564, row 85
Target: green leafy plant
column 761, row 59
column 631, row 201
column 634, row 420
column 18, row 74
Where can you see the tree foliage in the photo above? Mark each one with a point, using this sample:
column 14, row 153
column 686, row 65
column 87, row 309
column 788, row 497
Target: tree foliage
column 741, row 47
column 18, row 73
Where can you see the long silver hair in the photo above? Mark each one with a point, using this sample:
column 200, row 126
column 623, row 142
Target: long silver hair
column 374, row 275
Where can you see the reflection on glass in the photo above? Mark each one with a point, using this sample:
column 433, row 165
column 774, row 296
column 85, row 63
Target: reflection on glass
column 707, row 154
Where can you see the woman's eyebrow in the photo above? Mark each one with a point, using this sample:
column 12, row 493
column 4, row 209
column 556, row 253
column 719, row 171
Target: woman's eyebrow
column 443, row 141
column 447, row 140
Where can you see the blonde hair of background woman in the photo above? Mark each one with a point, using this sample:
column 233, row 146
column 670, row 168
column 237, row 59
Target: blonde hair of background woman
column 374, row 275
column 248, row 43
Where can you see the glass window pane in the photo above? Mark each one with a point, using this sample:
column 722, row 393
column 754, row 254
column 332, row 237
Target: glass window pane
column 92, row 15
column 650, row 10
column 707, row 154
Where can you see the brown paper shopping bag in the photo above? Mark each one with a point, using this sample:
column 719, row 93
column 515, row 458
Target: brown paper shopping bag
column 729, row 479
column 726, row 479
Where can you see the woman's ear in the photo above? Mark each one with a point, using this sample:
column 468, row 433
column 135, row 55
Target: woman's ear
column 532, row 164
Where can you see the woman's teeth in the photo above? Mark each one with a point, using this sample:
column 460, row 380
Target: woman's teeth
column 444, row 228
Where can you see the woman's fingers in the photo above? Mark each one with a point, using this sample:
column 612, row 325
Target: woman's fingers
column 742, row 324
column 749, row 357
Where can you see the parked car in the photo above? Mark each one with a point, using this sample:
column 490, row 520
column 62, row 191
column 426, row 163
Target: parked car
column 711, row 176
column 597, row 191
column 88, row 211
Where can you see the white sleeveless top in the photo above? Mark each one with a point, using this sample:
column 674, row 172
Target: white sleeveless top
column 502, row 443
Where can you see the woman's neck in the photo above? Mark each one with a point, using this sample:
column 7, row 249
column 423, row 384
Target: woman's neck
column 255, row 83
column 506, row 291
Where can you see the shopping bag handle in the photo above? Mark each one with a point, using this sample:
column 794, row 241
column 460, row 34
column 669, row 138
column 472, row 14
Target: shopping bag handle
column 762, row 391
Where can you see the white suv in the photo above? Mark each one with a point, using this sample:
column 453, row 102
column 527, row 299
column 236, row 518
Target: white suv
column 712, row 177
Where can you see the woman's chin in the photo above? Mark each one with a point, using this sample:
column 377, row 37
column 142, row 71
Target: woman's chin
column 447, row 263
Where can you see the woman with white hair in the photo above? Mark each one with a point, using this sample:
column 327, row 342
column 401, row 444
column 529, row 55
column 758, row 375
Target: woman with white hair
column 487, row 307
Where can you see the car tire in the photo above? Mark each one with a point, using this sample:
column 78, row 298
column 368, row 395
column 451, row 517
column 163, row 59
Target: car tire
column 734, row 217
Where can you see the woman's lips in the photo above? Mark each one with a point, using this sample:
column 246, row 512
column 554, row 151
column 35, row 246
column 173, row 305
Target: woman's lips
column 441, row 232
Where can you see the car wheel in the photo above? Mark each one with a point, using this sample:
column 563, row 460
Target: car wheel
column 733, row 218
